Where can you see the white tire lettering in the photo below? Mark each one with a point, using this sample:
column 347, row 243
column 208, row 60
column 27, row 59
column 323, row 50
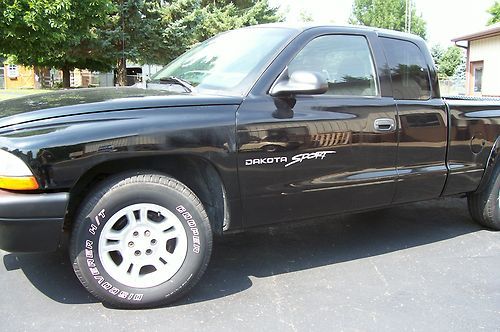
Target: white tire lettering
column 192, row 226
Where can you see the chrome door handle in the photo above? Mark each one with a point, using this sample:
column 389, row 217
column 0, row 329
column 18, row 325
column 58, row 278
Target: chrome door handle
column 384, row 124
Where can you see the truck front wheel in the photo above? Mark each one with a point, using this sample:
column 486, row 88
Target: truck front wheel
column 484, row 206
column 140, row 240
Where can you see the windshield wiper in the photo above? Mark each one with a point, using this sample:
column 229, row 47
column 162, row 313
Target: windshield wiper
column 176, row 80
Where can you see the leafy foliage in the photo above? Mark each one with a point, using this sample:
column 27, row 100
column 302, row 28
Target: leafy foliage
column 460, row 71
column 101, row 34
column 57, row 33
column 447, row 61
column 388, row 14
column 214, row 17
column 153, row 31
column 305, row 16
column 495, row 13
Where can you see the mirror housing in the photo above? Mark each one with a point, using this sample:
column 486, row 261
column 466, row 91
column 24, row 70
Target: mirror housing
column 300, row 82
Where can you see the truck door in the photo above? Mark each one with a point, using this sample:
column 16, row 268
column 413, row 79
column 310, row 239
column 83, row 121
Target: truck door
column 422, row 117
column 308, row 156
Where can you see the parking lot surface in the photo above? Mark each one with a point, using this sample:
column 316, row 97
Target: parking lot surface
column 423, row 266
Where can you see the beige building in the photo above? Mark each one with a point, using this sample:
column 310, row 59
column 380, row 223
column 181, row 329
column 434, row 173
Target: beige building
column 483, row 61
column 18, row 77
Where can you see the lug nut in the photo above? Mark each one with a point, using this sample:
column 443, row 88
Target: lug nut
column 147, row 233
column 137, row 253
column 131, row 244
column 153, row 241
column 149, row 252
column 136, row 233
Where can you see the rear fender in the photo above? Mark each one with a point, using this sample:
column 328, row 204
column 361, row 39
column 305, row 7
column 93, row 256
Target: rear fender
column 490, row 166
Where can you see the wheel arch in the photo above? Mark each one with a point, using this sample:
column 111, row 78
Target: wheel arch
column 493, row 161
column 198, row 173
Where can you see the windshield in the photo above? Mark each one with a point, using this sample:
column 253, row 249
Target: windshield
column 228, row 63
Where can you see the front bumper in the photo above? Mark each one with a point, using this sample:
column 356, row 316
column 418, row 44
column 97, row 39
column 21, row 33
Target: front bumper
column 31, row 222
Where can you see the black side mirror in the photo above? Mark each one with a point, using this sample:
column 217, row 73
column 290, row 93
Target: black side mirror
column 300, row 82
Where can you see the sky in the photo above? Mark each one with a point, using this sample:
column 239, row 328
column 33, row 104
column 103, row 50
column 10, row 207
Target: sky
column 446, row 19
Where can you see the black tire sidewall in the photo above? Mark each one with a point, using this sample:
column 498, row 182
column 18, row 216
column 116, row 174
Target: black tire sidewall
column 86, row 243
column 492, row 211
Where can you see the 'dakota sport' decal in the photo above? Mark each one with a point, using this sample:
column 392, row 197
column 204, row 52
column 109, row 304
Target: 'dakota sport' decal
column 289, row 162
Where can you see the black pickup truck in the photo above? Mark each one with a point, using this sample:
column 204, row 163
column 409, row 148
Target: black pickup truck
column 255, row 126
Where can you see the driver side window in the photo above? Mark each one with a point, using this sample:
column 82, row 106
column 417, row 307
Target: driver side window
column 344, row 60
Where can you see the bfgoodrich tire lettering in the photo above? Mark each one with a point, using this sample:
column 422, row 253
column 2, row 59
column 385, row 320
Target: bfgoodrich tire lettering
column 140, row 240
column 484, row 206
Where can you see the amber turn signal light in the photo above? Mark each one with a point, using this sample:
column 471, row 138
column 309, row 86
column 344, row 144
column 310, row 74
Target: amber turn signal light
column 18, row 183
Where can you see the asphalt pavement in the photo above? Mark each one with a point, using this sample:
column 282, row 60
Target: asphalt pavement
column 423, row 267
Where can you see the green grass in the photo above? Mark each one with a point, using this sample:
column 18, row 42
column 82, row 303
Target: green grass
column 14, row 93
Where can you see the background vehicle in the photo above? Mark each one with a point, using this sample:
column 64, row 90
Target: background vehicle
column 144, row 178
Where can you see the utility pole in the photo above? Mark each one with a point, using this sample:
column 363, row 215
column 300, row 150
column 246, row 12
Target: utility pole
column 408, row 13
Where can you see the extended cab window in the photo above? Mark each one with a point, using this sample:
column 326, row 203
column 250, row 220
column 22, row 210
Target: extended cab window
column 344, row 60
column 409, row 74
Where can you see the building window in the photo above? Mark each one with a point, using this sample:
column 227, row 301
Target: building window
column 13, row 71
column 478, row 79
column 476, row 82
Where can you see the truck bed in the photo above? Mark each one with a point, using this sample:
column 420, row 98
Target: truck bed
column 474, row 124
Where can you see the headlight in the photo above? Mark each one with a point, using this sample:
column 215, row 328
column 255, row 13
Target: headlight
column 15, row 174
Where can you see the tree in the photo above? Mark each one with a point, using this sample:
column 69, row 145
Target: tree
column 460, row 71
column 227, row 15
column 102, row 34
column 154, row 31
column 132, row 30
column 447, row 61
column 437, row 52
column 388, row 14
column 54, row 33
column 495, row 13
column 305, row 16
column 188, row 22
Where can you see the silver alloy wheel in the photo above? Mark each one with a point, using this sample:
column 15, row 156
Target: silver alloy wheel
column 143, row 245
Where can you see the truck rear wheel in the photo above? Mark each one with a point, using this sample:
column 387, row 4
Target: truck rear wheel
column 484, row 206
column 140, row 240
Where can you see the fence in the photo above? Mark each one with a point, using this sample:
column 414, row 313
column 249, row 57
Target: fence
column 452, row 87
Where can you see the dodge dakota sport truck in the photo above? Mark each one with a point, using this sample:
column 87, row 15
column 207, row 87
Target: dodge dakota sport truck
column 255, row 126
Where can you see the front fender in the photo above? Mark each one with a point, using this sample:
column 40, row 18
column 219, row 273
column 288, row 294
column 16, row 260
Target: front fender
column 59, row 151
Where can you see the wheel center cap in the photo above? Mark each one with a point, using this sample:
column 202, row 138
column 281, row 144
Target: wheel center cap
column 142, row 242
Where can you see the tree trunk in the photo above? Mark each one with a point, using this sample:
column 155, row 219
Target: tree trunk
column 38, row 78
column 66, row 78
column 121, row 72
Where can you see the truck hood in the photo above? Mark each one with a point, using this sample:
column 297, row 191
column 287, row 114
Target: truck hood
column 82, row 101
